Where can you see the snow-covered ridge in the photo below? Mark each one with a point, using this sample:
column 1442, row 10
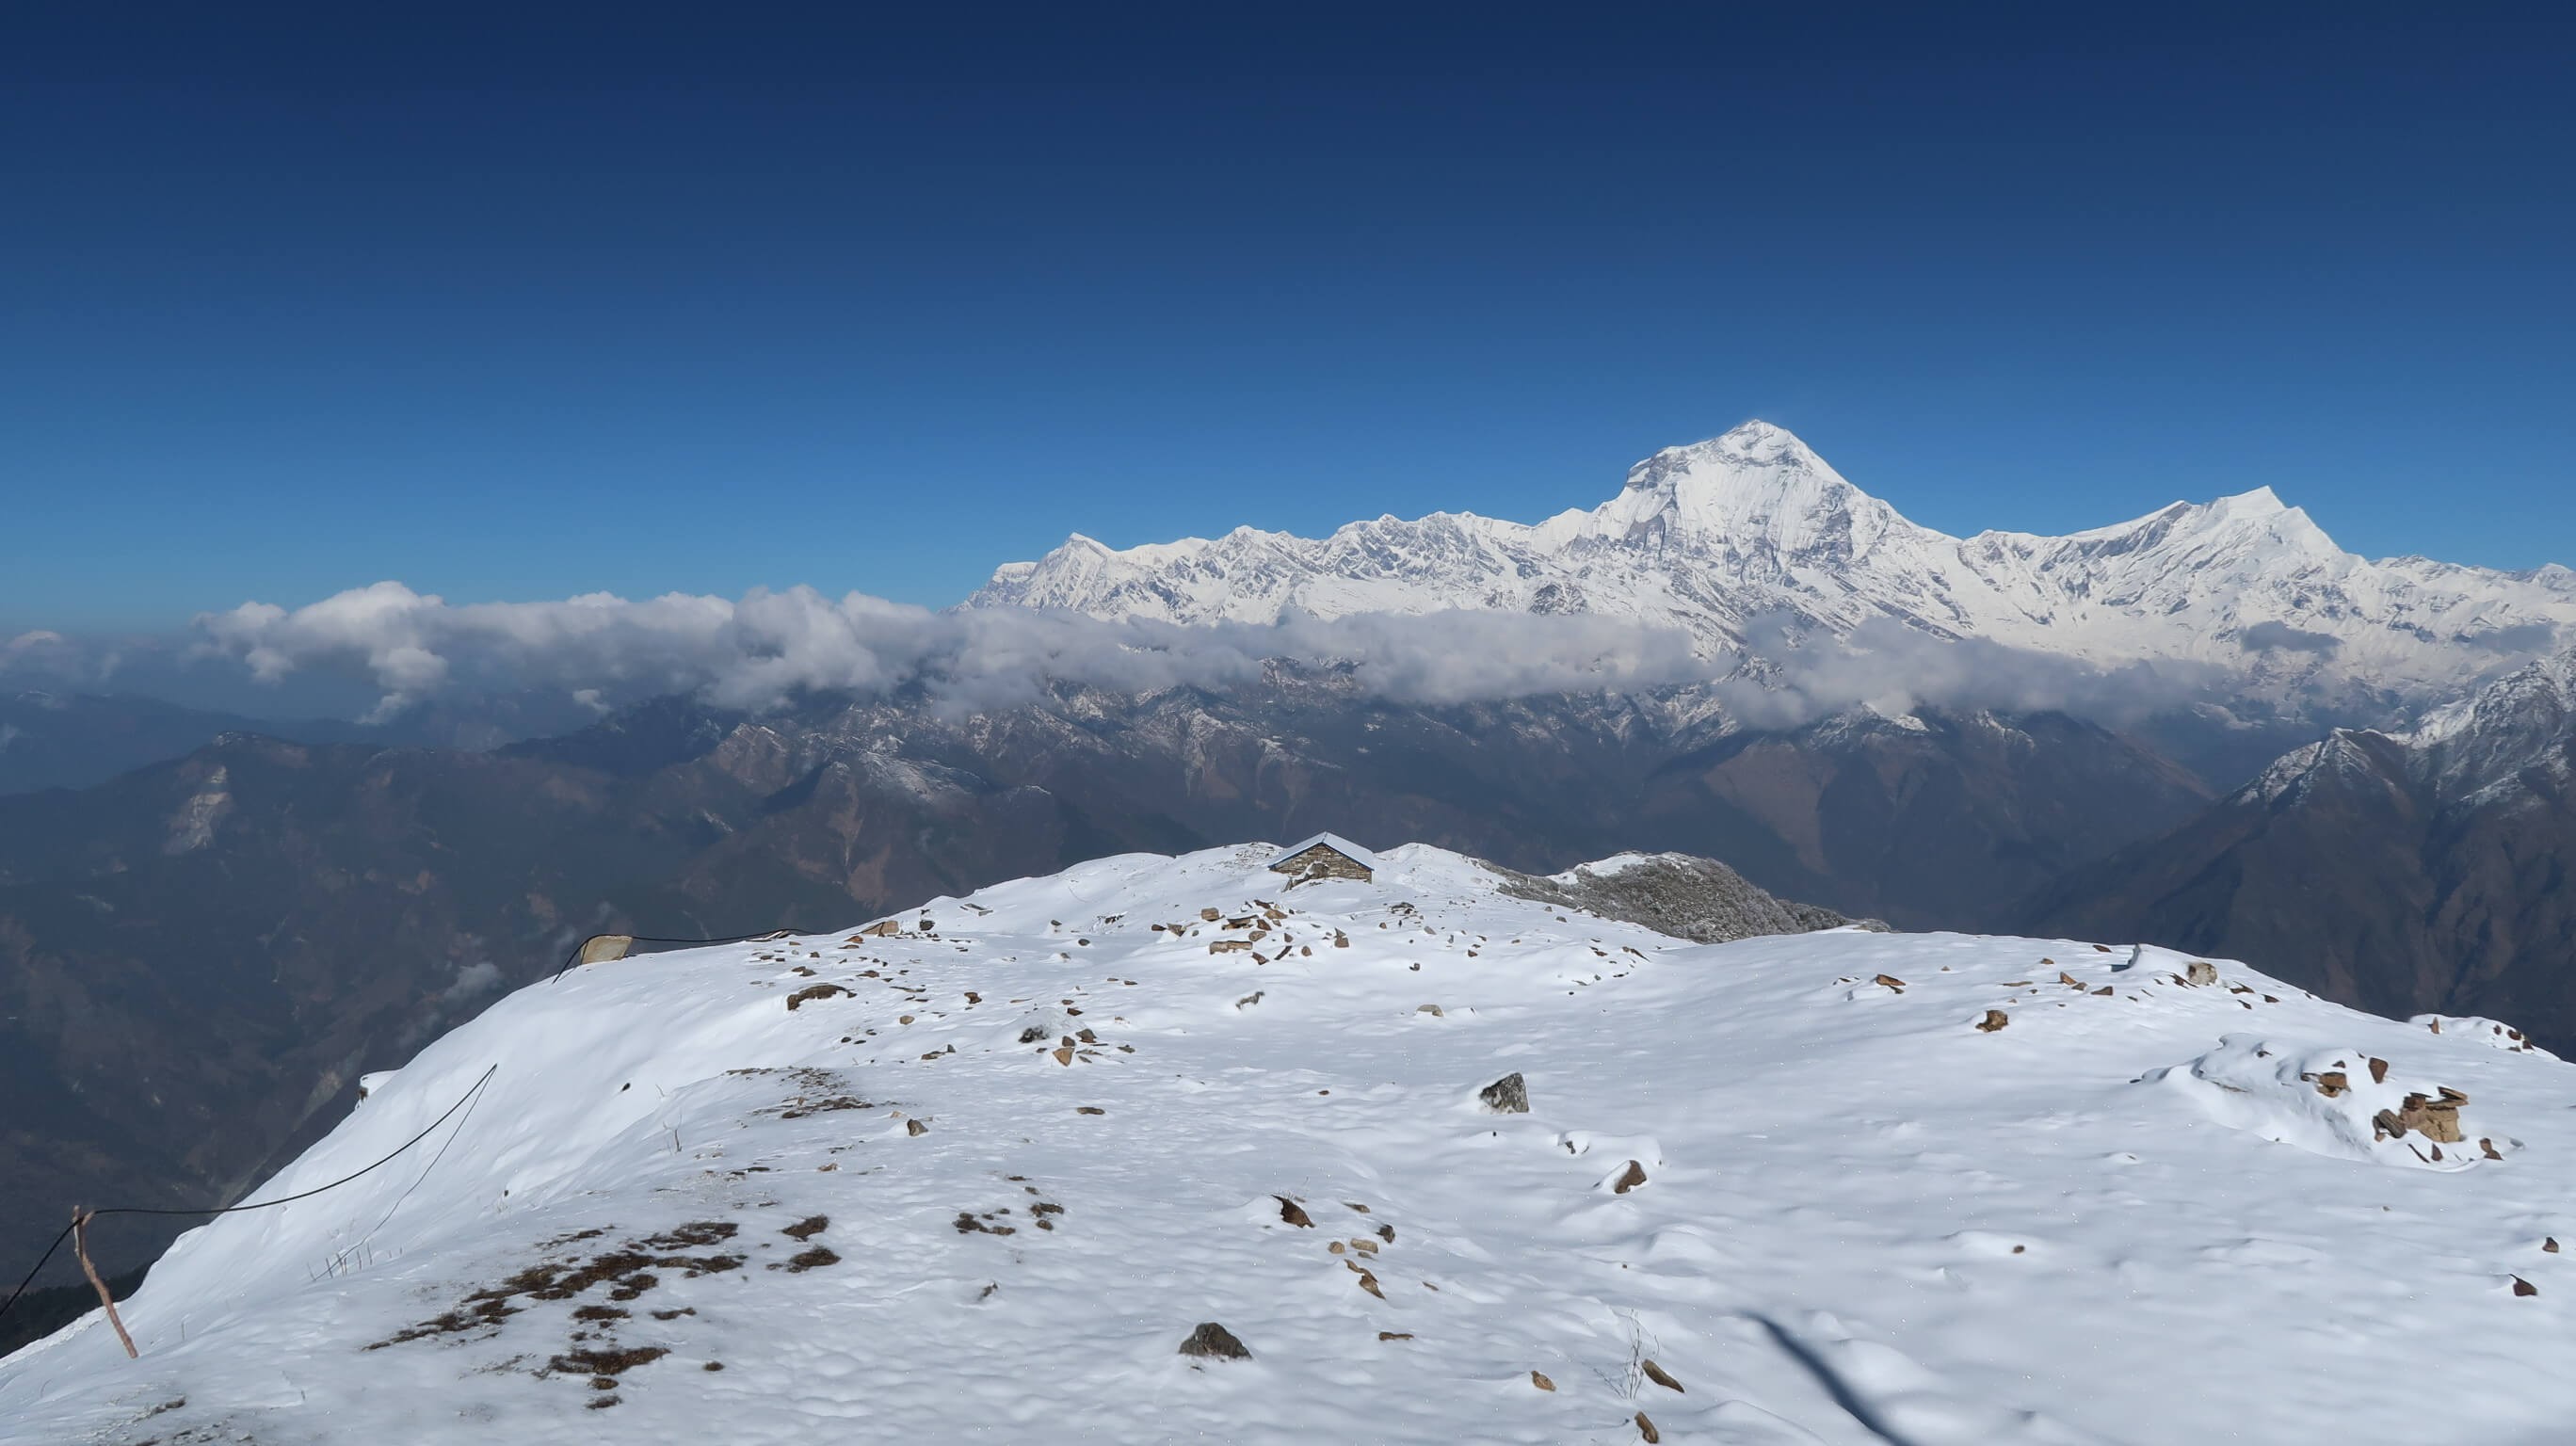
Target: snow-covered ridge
column 2477, row 750
column 978, row 1173
column 2519, row 725
column 1753, row 524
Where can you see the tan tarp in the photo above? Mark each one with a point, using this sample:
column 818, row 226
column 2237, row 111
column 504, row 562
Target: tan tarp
column 600, row 948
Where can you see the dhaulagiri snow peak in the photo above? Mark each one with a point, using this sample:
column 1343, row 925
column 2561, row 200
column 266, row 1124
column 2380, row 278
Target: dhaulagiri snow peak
column 1752, row 529
column 983, row 1169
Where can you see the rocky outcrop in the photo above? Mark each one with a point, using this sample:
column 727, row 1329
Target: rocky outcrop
column 1697, row 899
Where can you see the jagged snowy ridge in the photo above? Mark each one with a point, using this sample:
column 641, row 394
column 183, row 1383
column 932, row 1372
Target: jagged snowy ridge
column 2513, row 740
column 2119, row 1216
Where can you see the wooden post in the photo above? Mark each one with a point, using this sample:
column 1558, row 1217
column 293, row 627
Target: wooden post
column 80, row 1248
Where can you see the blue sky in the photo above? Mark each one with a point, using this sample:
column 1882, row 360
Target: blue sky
column 519, row 309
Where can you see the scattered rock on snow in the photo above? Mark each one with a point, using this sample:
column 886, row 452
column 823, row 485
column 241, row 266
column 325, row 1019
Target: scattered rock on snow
column 1646, row 1429
column 2300, row 1094
column 1541, row 1381
column 1629, row 1179
column 811, row 992
column 1214, row 1342
column 1293, row 1213
column 1995, row 1019
column 1506, row 1096
column 2435, row 1119
column 1659, row 1375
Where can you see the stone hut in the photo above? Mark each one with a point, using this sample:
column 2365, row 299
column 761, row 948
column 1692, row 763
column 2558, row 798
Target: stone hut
column 1326, row 856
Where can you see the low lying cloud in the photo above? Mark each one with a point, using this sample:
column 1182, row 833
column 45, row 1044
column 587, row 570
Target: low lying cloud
column 757, row 652
column 1893, row 669
column 2519, row 638
column 763, row 649
column 2281, row 637
column 45, row 656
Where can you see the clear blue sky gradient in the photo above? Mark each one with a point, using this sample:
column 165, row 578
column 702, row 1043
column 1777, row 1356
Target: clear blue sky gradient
column 513, row 309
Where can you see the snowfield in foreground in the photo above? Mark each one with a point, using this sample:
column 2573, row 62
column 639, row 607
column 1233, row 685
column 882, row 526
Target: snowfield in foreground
column 980, row 1180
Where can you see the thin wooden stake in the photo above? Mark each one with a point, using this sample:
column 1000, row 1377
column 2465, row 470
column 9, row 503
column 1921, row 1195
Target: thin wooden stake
column 80, row 1248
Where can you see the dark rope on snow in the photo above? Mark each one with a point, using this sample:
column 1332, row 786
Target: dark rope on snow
column 574, row 957
column 258, row 1205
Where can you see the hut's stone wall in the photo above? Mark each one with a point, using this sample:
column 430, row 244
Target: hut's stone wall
column 1323, row 861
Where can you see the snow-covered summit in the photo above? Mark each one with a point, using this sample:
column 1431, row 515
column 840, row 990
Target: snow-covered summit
column 978, row 1172
column 1754, row 525
column 1757, row 489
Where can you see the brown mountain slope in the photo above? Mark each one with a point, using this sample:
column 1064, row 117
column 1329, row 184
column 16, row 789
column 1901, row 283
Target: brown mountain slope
column 198, row 959
column 2421, row 875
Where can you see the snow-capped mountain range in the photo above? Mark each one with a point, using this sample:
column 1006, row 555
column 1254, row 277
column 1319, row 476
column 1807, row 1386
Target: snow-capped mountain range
column 1717, row 537
column 1162, row 1149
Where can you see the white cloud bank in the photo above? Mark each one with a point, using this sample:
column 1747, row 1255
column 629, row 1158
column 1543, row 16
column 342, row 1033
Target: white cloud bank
column 43, row 653
column 1891, row 668
column 756, row 652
